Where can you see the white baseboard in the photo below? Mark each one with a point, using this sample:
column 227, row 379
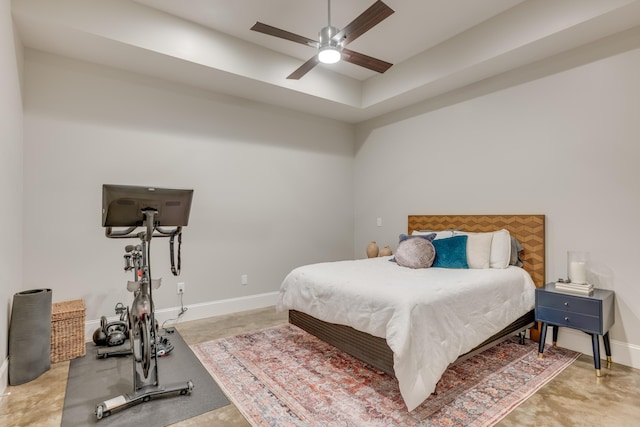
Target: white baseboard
column 200, row 310
column 621, row 352
column 4, row 375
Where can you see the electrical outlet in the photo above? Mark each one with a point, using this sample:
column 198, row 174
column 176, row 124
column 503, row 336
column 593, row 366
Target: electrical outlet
column 244, row 280
column 180, row 288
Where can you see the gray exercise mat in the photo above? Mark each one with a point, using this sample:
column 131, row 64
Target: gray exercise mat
column 92, row 381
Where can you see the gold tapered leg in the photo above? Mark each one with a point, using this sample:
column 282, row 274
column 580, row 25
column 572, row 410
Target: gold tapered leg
column 555, row 343
column 598, row 373
column 539, row 355
column 609, row 362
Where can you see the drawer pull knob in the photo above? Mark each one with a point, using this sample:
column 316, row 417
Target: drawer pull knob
column 566, row 304
column 566, row 319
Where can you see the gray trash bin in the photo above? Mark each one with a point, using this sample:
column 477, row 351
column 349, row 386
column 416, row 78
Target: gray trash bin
column 30, row 335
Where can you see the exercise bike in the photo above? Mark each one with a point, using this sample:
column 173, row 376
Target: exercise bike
column 153, row 209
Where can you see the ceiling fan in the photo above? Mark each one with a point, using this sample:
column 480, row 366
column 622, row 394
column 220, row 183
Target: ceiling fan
column 332, row 41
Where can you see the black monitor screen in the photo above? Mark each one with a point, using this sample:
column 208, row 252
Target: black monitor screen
column 122, row 205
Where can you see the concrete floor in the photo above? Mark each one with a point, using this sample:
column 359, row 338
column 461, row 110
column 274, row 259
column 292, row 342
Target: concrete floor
column 574, row 398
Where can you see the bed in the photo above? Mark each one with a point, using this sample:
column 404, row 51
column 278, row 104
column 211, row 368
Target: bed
column 416, row 337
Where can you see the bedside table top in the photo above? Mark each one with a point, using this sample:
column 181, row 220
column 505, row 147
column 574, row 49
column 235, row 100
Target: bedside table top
column 598, row 294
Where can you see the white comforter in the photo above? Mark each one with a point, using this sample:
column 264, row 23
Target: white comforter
column 428, row 316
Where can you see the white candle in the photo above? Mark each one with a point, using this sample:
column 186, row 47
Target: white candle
column 578, row 272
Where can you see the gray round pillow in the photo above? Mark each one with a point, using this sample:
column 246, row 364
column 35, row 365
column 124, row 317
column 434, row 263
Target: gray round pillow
column 415, row 253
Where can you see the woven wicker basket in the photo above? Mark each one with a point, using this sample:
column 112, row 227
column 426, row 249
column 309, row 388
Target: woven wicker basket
column 67, row 330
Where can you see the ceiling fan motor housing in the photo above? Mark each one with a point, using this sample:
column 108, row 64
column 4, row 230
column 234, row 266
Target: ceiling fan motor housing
column 325, row 37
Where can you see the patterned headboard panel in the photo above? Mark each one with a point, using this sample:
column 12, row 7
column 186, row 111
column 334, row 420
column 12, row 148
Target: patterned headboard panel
column 528, row 229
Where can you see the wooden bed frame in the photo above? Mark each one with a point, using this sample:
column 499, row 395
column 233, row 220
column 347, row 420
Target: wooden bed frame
column 528, row 229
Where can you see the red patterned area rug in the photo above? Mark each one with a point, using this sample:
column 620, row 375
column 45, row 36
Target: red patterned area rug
column 283, row 376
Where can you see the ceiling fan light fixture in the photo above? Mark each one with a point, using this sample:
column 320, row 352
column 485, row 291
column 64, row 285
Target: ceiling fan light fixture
column 329, row 55
column 329, row 50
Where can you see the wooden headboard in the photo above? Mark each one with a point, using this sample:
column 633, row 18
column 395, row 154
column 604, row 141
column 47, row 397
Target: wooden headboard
column 528, row 229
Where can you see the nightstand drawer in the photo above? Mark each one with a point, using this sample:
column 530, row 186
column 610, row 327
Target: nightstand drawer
column 570, row 303
column 591, row 324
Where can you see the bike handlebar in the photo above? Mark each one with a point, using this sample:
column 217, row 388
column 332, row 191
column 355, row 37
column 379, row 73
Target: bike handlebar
column 151, row 229
column 129, row 232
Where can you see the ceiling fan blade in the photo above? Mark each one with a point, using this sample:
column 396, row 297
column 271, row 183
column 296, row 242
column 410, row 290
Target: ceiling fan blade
column 371, row 17
column 277, row 32
column 304, row 68
column 365, row 61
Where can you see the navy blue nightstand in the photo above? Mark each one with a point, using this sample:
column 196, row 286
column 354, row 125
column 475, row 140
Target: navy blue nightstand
column 592, row 314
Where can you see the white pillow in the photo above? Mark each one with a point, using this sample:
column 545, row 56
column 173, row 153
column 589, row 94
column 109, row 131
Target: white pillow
column 500, row 249
column 500, row 254
column 439, row 234
column 478, row 249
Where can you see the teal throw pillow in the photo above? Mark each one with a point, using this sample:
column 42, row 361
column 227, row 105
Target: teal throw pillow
column 451, row 252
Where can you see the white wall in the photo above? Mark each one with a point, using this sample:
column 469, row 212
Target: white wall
column 10, row 177
column 269, row 184
column 565, row 145
column 273, row 187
